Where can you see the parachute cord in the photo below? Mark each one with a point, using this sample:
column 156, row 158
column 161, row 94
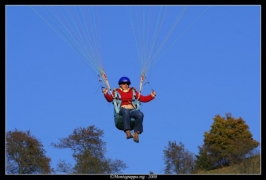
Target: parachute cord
column 193, row 22
column 78, row 27
column 105, row 81
column 150, row 86
column 98, row 89
column 142, row 77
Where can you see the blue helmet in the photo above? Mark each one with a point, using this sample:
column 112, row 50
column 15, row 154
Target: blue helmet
column 124, row 80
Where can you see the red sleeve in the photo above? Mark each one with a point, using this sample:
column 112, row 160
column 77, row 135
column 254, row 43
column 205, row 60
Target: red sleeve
column 144, row 98
column 108, row 97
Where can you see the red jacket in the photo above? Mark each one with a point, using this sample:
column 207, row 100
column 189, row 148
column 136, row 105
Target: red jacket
column 127, row 97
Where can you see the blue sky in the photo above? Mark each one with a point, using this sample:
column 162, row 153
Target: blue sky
column 214, row 67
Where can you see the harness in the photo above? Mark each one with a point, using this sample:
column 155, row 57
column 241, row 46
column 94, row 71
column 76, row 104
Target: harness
column 117, row 102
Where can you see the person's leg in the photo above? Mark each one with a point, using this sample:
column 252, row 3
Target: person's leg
column 125, row 113
column 138, row 128
column 138, row 116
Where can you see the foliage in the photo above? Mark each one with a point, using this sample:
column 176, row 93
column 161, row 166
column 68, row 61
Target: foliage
column 250, row 164
column 228, row 141
column 202, row 161
column 247, row 166
column 64, row 167
column 88, row 152
column 177, row 159
column 25, row 154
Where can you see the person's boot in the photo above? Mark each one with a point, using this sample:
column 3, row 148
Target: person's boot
column 136, row 137
column 128, row 134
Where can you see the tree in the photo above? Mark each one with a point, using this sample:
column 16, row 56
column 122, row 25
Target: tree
column 228, row 141
column 25, row 154
column 88, row 152
column 250, row 164
column 177, row 159
column 202, row 161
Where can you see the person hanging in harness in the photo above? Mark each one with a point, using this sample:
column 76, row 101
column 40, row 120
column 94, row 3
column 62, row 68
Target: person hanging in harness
column 128, row 109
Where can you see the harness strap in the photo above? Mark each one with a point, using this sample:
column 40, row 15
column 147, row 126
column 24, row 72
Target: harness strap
column 117, row 100
column 141, row 82
column 135, row 101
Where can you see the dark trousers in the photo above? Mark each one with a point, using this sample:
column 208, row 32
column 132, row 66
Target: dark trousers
column 127, row 114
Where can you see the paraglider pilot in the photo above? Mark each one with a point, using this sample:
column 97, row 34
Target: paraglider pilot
column 127, row 108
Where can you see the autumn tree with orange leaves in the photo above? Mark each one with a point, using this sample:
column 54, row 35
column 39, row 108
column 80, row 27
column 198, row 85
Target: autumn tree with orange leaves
column 228, row 141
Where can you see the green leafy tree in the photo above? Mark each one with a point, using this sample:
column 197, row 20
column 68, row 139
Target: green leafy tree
column 228, row 141
column 25, row 154
column 177, row 159
column 202, row 161
column 88, row 152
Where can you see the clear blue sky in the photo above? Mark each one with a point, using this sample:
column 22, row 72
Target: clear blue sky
column 214, row 67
